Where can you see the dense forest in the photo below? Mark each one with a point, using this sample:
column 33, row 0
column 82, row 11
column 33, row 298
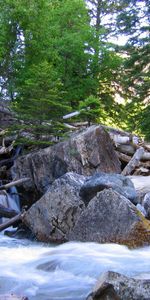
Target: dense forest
column 92, row 56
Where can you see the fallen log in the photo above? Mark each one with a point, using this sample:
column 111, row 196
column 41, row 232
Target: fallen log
column 11, row 222
column 126, row 149
column 7, row 212
column 134, row 162
column 12, row 183
column 123, row 157
column 141, row 171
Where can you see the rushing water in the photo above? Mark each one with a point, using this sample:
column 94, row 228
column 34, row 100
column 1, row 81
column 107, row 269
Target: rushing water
column 65, row 272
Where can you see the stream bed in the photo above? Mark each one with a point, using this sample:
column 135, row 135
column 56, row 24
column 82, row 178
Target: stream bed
column 65, row 272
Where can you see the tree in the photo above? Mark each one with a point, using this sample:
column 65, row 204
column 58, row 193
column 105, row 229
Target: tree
column 135, row 23
column 72, row 39
column 91, row 110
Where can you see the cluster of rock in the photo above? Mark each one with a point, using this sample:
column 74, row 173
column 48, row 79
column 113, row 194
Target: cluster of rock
column 64, row 212
column 82, row 195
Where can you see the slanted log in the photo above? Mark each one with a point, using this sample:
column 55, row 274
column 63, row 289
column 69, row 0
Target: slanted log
column 11, row 222
column 12, row 183
column 7, row 212
column 123, row 157
column 134, row 162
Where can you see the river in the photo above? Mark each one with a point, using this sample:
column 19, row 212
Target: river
column 64, row 272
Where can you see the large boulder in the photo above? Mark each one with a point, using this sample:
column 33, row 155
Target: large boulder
column 110, row 217
column 85, row 153
column 51, row 218
column 100, row 181
column 114, row 286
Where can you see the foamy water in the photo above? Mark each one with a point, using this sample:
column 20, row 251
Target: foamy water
column 65, row 272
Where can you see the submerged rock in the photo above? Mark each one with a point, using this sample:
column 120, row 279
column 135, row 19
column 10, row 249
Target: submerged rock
column 51, row 218
column 114, row 286
column 85, row 153
column 111, row 218
column 100, row 181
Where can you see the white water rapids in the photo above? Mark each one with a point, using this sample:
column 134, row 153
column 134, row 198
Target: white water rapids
column 65, row 272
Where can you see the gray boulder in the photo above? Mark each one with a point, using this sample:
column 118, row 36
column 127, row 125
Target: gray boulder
column 111, row 218
column 85, row 153
column 146, row 204
column 100, row 181
column 51, row 218
column 114, row 286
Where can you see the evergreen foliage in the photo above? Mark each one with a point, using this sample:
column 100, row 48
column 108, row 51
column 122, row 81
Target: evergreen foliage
column 91, row 110
column 56, row 57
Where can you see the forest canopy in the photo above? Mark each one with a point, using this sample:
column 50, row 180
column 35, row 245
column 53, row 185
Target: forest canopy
column 59, row 56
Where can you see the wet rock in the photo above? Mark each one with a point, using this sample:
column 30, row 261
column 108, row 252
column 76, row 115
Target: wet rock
column 100, row 181
column 141, row 209
column 120, row 287
column 85, row 153
column 146, row 204
column 50, row 266
column 111, row 218
column 51, row 218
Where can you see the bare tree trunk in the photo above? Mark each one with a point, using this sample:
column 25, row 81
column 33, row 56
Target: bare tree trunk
column 12, row 183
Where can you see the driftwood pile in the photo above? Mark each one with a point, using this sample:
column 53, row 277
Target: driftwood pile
column 132, row 151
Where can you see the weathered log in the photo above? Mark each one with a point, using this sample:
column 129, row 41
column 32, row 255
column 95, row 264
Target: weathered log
column 134, row 162
column 12, row 183
column 7, row 212
column 11, row 222
column 141, row 171
column 70, row 115
column 126, row 149
column 145, row 164
column 118, row 139
column 80, row 124
column 130, row 150
column 69, row 126
column 123, row 157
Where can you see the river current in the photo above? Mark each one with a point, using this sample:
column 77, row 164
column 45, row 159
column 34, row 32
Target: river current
column 65, row 272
